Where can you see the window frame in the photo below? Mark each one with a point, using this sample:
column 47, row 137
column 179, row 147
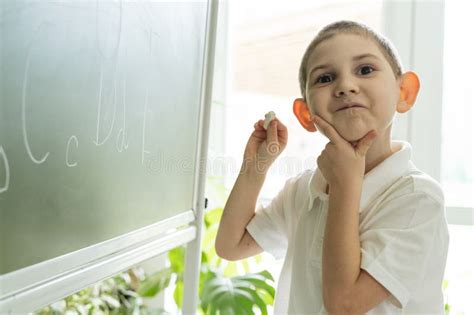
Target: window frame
column 410, row 25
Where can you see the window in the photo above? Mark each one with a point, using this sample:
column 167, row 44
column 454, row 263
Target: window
column 457, row 147
column 458, row 100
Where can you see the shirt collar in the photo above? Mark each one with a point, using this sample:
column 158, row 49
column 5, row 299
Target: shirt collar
column 375, row 182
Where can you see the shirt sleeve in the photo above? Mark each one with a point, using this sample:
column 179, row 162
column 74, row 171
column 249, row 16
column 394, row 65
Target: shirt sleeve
column 397, row 243
column 269, row 227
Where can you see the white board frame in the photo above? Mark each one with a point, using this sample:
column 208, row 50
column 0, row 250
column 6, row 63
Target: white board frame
column 34, row 295
column 193, row 252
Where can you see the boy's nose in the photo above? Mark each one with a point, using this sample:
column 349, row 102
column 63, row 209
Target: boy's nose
column 346, row 86
column 346, row 92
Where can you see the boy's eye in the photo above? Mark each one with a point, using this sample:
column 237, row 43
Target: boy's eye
column 321, row 77
column 367, row 67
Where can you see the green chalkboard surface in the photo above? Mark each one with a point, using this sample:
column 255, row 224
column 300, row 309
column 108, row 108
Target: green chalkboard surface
column 99, row 118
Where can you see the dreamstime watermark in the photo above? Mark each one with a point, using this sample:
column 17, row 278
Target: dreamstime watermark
column 227, row 165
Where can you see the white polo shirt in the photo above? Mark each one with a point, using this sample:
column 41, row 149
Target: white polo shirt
column 403, row 237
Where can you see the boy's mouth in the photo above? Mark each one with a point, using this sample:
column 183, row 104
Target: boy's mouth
column 349, row 105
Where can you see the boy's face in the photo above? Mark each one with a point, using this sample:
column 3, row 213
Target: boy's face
column 368, row 81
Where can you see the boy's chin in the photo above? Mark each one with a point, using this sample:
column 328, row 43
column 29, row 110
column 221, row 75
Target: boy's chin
column 354, row 132
column 352, row 136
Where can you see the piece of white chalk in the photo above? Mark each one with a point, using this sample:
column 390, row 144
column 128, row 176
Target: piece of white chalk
column 268, row 118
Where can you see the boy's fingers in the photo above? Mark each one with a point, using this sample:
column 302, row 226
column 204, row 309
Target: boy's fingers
column 273, row 145
column 272, row 136
column 327, row 129
column 273, row 132
column 281, row 128
column 259, row 125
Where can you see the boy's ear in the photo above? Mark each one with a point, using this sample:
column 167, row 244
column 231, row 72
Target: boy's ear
column 303, row 114
column 409, row 87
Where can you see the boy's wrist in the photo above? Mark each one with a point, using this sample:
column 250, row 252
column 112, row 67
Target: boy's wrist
column 253, row 175
column 252, row 180
column 345, row 191
column 254, row 168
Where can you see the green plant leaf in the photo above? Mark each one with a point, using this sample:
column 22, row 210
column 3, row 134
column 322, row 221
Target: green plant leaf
column 111, row 301
column 204, row 277
column 204, row 259
column 245, row 306
column 155, row 283
column 209, row 238
column 258, row 280
column 266, row 274
column 178, row 294
column 176, row 257
column 213, row 216
column 236, row 295
column 267, row 298
column 211, row 310
column 259, row 301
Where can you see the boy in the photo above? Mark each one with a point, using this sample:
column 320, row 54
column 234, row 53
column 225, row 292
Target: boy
column 366, row 231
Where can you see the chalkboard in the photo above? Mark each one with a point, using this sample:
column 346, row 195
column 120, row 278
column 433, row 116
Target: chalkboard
column 98, row 121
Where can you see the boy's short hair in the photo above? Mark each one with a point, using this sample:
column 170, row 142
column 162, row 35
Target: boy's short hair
column 350, row 27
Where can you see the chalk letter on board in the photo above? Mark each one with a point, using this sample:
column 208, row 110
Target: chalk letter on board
column 3, row 155
column 67, row 151
column 121, row 135
column 100, row 105
column 143, row 132
column 23, row 112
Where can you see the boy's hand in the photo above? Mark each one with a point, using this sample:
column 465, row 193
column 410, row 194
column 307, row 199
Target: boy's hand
column 264, row 146
column 341, row 163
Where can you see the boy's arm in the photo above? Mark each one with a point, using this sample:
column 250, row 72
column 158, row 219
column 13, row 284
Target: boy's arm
column 341, row 248
column 343, row 165
column 233, row 242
